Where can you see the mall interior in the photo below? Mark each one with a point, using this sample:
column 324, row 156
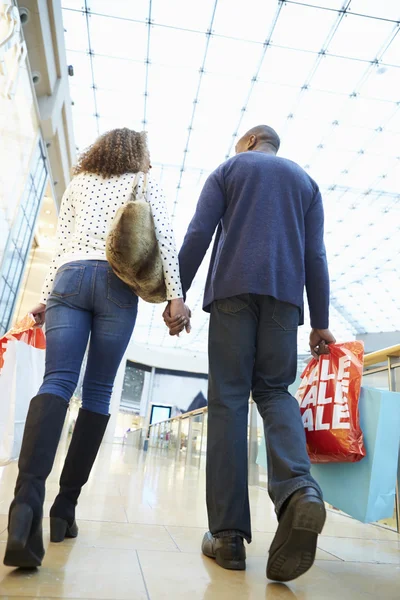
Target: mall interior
column 195, row 75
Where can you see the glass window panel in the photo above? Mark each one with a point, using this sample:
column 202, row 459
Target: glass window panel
column 392, row 54
column 233, row 57
column 186, row 14
column 82, row 68
column 365, row 112
column 394, row 123
column 360, row 37
column 348, row 138
column 177, row 48
column 75, row 31
column 127, row 76
column 384, row 9
column 83, row 98
column 119, row 120
column 175, row 109
column 85, row 129
column 123, row 9
column 340, row 75
column 232, row 20
column 269, row 104
column 127, row 105
column 118, row 38
column 385, row 142
column 286, row 66
column 383, row 83
column 73, row 4
column 320, row 107
column 315, row 27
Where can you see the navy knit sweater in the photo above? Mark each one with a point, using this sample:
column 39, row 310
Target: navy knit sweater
column 270, row 236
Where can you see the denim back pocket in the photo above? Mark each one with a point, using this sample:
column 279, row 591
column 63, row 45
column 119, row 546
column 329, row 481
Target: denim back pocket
column 68, row 281
column 286, row 315
column 119, row 292
column 233, row 305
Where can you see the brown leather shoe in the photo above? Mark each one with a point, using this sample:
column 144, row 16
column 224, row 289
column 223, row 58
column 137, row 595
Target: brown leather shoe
column 293, row 549
column 228, row 552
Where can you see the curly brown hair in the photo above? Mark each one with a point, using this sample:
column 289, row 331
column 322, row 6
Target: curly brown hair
column 116, row 152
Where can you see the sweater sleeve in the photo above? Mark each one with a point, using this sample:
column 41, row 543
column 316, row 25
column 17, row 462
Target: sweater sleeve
column 166, row 240
column 209, row 212
column 65, row 229
column 316, row 266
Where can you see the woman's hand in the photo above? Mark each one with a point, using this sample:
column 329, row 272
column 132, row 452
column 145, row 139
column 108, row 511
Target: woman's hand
column 38, row 312
column 177, row 317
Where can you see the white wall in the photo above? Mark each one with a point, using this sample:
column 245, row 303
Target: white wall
column 192, row 362
column 172, row 390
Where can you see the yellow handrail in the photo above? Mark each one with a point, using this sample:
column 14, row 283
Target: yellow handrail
column 380, row 356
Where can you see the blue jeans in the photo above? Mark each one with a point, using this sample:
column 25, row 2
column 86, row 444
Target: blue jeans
column 252, row 349
column 87, row 300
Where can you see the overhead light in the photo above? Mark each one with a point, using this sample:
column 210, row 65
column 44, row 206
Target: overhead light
column 48, row 212
column 51, row 226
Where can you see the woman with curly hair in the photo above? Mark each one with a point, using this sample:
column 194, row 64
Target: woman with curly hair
column 83, row 298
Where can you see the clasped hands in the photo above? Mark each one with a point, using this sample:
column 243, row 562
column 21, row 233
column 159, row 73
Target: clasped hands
column 177, row 317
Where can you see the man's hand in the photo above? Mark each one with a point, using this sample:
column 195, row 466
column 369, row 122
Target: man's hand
column 177, row 317
column 319, row 341
column 38, row 312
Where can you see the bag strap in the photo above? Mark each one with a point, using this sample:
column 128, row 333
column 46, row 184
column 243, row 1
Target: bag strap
column 136, row 183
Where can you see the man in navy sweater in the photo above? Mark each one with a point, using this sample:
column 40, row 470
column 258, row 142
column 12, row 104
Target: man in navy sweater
column 269, row 246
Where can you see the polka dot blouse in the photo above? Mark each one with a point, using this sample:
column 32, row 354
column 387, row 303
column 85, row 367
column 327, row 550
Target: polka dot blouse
column 87, row 211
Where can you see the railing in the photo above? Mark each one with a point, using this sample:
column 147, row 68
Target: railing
column 185, row 437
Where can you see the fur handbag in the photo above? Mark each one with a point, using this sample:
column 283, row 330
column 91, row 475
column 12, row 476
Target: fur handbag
column 132, row 248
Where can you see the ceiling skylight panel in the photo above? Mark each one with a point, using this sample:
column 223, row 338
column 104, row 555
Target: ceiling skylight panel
column 303, row 27
column 392, row 55
column 365, row 112
column 348, row 138
column 383, row 9
column 83, row 99
column 129, row 106
column 250, row 21
column 383, row 83
column 177, row 48
column 119, row 75
column 118, row 38
column 123, row 9
column 233, row 57
column 360, row 37
column 185, row 14
column 85, row 129
column 332, row 4
column 285, row 66
column 82, row 68
column 320, row 107
column 270, row 104
column 118, row 120
column 75, row 31
column 339, row 75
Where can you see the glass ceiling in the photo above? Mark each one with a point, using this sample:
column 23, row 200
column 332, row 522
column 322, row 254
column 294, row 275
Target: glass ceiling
column 196, row 75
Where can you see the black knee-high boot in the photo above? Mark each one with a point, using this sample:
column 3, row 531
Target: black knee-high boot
column 43, row 428
column 85, row 443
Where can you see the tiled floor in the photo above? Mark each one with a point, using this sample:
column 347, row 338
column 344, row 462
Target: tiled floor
column 142, row 518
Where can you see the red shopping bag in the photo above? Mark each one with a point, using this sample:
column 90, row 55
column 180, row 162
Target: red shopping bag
column 328, row 396
column 24, row 331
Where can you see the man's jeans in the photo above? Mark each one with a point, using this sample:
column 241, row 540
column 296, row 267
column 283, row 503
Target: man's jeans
column 87, row 299
column 252, row 348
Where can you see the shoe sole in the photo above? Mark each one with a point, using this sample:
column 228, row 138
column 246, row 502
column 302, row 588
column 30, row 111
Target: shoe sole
column 297, row 555
column 230, row 565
